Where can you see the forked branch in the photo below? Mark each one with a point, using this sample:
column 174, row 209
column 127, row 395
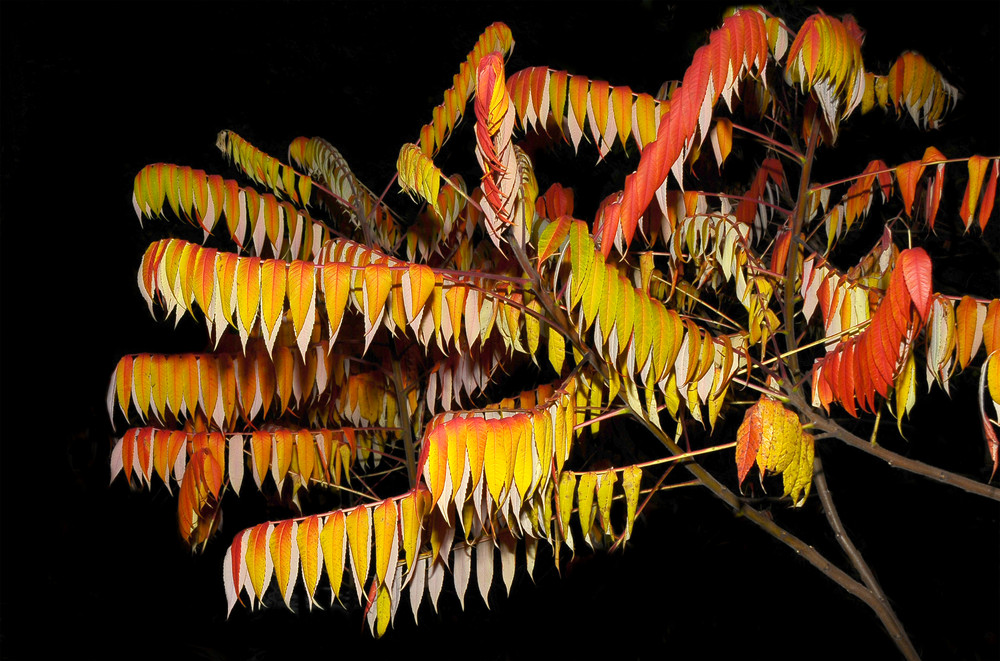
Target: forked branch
column 814, row 557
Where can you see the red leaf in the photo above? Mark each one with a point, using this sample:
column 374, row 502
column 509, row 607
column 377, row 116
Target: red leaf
column 907, row 176
column 916, row 267
column 748, row 441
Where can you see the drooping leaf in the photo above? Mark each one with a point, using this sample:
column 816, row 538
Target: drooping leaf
column 358, row 525
column 977, row 171
column 284, row 553
column 771, row 436
column 826, row 59
column 264, row 169
column 307, row 541
column 631, row 477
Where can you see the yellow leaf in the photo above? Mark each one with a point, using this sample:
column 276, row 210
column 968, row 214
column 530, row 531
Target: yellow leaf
column 585, row 502
column 522, row 447
column 497, row 466
column 336, row 290
column 630, row 483
column 567, row 487
column 411, row 511
column 383, row 606
column 542, row 426
column 475, row 447
column 358, row 526
column 906, row 392
column 798, row 479
column 302, row 301
column 605, row 494
column 533, row 327
column 307, row 541
column 334, row 544
column 969, row 318
column 455, row 298
column 436, row 467
column 627, row 310
column 305, row 455
column 272, row 298
column 992, row 368
column 593, row 297
column 159, row 384
column 258, row 560
column 284, row 556
column 456, row 434
column 552, row 237
column 386, row 540
column 418, row 175
column 375, row 291
column 557, row 349
column 608, row 311
column 282, row 448
column 581, row 248
column 418, row 285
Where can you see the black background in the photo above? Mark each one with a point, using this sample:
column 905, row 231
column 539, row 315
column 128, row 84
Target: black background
column 93, row 92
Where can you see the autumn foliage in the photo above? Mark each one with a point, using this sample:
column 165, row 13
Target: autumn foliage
column 411, row 377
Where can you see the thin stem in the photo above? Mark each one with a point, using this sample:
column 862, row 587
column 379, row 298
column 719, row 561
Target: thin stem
column 403, row 408
column 792, row 258
column 770, row 141
column 667, row 460
column 845, row 180
column 852, row 552
column 562, row 324
column 893, row 459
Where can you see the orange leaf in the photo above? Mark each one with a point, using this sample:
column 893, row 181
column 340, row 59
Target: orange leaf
column 260, row 567
column 907, row 176
column 272, row 298
column 991, row 327
column 122, row 385
column 302, row 301
column 552, row 237
column 977, row 170
column 308, row 546
column 375, row 292
column 333, row 542
column 305, row 455
column 247, row 294
column 968, row 329
column 497, row 457
column 411, row 511
column 722, row 140
column 285, row 558
column 418, row 285
column 336, row 290
column 932, row 155
column 434, row 462
column 282, row 447
column 358, row 527
column 457, row 463
column 557, row 95
column 234, row 572
column 386, row 540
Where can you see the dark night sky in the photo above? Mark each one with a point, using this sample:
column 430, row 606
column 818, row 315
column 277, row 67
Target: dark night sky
column 92, row 92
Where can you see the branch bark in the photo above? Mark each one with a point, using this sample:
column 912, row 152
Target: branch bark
column 792, row 258
column 854, row 555
column 403, row 408
column 814, row 557
column 893, row 459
